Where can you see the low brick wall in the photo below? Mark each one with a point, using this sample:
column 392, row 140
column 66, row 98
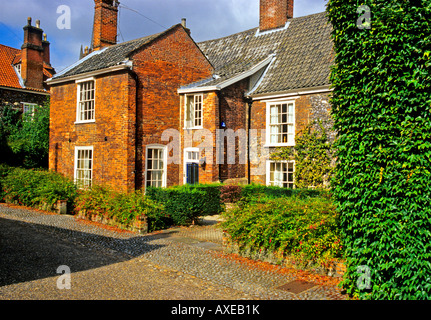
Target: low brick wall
column 139, row 225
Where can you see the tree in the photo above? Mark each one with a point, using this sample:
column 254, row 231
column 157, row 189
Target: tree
column 29, row 140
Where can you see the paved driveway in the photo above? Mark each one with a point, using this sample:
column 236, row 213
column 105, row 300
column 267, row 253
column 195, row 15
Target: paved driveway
column 108, row 264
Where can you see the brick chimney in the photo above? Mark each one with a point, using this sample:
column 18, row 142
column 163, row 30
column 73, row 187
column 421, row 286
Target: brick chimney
column 275, row 13
column 32, row 56
column 46, row 54
column 105, row 23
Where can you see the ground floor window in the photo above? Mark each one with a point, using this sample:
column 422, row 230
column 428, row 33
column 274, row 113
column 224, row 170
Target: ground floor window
column 156, row 166
column 84, row 166
column 281, row 174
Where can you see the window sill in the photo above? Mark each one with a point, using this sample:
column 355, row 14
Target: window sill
column 274, row 145
column 193, row 128
column 84, row 122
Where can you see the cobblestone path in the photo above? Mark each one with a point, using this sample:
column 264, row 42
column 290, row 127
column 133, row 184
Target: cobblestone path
column 179, row 263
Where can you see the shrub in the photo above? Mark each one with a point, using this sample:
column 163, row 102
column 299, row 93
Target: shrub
column 381, row 106
column 37, row 188
column 230, row 193
column 121, row 208
column 306, row 229
column 184, row 204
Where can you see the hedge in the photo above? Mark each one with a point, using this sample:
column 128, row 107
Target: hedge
column 36, row 188
column 121, row 208
column 255, row 192
column 184, row 204
column 303, row 229
column 381, row 105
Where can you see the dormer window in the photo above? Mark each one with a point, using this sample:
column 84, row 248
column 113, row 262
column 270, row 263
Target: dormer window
column 18, row 68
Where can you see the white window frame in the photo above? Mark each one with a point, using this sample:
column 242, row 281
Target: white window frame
column 191, row 115
column 78, row 101
column 25, row 109
column 77, row 150
column 268, row 142
column 268, row 172
column 165, row 162
column 186, row 160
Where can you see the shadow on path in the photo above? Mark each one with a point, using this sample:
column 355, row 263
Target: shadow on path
column 31, row 251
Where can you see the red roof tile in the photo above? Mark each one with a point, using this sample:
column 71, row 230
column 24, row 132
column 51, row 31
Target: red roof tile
column 8, row 76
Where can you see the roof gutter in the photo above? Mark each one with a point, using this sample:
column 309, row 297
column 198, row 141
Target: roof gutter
column 26, row 90
column 120, row 67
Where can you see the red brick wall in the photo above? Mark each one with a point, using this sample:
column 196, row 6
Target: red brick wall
column 113, row 159
column 193, row 138
column 160, row 69
column 233, row 110
column 165, row 65
column 229, row 106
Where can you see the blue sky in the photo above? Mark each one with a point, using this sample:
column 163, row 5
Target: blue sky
column 207, row 19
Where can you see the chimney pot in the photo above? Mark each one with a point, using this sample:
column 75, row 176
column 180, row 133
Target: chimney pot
column 184, row 22
column 38, row 24
column 29, row 21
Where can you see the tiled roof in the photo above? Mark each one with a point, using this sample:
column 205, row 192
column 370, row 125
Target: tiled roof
column 8, row 76
column 303, row 55
column 106, row 57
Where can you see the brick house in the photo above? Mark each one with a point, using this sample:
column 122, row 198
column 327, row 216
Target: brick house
column 109, row 110
column 162, row 110
column 269, row 82
column 23, row 71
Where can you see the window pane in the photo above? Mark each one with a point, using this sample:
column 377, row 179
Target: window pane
column 86, row 101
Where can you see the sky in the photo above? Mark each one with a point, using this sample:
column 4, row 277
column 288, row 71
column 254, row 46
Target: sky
column 207, row 19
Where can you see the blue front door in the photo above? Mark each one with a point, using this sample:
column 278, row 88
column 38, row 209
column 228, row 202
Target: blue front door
column 192, row 173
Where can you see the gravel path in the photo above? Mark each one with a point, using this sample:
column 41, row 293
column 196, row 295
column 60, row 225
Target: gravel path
column 107, row 264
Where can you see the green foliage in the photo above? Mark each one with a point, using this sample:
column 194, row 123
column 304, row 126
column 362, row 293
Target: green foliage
column 122, row 208
column 313, row 154
column 381, row 106
column 24, row 139
column 36, row 188
column 304, row 228
column 184, row 204
column 9, row 117
column 29, row 140
column 256, row 192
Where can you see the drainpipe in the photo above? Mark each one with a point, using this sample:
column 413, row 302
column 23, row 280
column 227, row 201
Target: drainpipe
column 136, row 78
column 249, row 102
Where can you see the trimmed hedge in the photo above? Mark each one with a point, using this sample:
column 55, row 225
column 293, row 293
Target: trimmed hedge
column 184, row 204
column 381, row 106
column 255, row 192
